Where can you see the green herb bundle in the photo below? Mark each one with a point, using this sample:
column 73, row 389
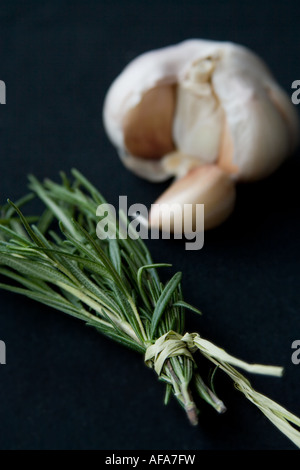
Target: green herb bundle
column 113, row 285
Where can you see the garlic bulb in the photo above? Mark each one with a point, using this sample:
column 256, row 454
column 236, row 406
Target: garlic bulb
column 200, row 110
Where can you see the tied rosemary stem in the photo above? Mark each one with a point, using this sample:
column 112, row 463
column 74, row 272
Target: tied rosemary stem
column 181, row 388
column 112, row 284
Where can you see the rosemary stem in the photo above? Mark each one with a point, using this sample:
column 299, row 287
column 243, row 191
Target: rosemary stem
column 189, row 405
column 183, row 394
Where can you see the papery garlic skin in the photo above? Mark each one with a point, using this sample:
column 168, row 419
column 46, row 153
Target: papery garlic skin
column 213, row 103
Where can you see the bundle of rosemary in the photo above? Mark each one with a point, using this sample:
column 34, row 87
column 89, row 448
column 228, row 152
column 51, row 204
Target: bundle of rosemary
column 113, row 285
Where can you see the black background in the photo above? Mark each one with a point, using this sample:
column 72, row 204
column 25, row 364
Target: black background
column 64, row 386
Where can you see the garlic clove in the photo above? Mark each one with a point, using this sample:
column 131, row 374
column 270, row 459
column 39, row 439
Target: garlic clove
column 259, row 136
column 260, row 118
column 147, row 127
column 288, row 113
column 226, row 151
column 198, row 124
column 208, row 185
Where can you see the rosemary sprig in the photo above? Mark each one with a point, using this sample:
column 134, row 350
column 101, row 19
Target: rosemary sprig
column 113, row 285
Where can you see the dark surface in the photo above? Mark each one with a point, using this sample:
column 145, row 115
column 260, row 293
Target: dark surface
column 64, row 386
